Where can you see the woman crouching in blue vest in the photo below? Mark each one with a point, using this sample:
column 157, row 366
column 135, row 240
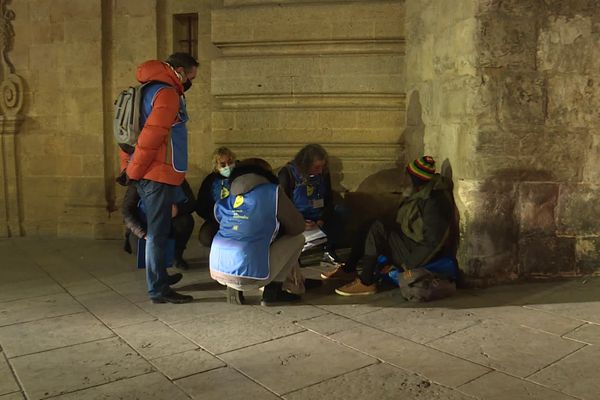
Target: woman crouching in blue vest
column 259, row 238
column 307, row 182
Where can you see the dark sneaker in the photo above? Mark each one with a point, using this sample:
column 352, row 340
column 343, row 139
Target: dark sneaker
column 172, row 297
column 312, row 283
column 235, row 296
column 273, row 295
column 181, row 264
column 173, row 279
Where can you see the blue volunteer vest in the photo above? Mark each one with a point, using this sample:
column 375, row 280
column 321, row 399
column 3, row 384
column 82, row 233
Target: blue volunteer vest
column 306, row 191
column 220, row 188
column 247, row 226
column 178, row 152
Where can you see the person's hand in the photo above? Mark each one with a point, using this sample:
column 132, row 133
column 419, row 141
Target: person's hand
column 174, row 210
column 320, row 223
column 308, row 225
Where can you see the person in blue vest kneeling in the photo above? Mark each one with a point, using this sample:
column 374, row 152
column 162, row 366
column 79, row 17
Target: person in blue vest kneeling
column 307, row 182
column 259, row 238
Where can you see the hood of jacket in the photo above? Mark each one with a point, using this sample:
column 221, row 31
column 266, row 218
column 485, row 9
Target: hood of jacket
column 245, row 183
column 158, row 71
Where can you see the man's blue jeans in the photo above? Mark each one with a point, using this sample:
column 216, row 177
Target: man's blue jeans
column 158, row 199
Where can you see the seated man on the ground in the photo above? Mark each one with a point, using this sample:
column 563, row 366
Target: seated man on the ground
column 259, row 238
column 307, row 182
column 415, row 236
column 182, row 222
column 214, row 188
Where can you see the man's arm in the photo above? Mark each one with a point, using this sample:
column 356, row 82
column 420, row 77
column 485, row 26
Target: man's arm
column 154, row 132
column 436, row 221
column 189, row 206
column 205, row 202
column 286, row 181
column 290, row 219
column 130, row 212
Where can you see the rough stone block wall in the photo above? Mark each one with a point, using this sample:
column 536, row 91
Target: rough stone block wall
column 526, row 155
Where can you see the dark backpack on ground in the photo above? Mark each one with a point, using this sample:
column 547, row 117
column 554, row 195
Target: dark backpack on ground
column 419, row 284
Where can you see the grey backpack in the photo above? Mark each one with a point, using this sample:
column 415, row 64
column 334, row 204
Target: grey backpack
column 126, row 124
column 419, row 284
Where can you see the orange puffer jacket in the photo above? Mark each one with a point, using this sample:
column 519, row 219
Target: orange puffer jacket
column 149, row 161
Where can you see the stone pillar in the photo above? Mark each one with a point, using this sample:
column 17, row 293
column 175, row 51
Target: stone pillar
column 11, row 103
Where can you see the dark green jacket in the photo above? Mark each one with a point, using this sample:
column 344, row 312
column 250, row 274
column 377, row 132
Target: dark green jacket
column 423, row 222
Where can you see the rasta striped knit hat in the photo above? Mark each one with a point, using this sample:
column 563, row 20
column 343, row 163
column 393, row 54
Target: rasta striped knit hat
column 422, row 168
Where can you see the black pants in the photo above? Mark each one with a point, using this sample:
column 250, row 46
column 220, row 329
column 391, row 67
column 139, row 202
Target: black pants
column 374, row 239
column 208, row 230
column 181, row 230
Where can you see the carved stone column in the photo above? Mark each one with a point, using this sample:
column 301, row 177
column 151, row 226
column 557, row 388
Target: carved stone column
column 11, row 104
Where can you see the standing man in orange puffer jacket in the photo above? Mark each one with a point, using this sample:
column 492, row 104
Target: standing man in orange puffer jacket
column 159, row 162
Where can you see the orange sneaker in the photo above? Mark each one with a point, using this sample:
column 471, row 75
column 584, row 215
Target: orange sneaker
column 357, row 288
column 340, row 274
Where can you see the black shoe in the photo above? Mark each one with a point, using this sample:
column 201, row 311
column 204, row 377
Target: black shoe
column 181, row 263
column 312, row 283
column 274, row 295
column 172, row 297
column 173, row 279
column 235, row 296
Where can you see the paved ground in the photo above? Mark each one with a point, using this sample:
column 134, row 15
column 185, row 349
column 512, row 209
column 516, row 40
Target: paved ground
column 75, row 324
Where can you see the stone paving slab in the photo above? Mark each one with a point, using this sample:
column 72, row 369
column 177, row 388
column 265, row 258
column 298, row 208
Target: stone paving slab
column 329, row 324
column 532, row 318
column 588, row 333
column 296, row 361
column 13, row 396
column 7, row 379
column 421, row 325
column 223, row 383
column 517, row 350
column 499, row 386
column 31, row 309
column 352, row 307
column 67, row 274
column 576, row 374
column 583, row 311
column 135, row 291
column 152, row 386
column 113, row 309
column 226, row 332
column 78, row 367
column 190, row 362
column 200, row 308
column 51, row 333
column 30, row 288
column 432, row 364
column 86, row 287
column 154, row 339
column 377, row 382
column 296, row 312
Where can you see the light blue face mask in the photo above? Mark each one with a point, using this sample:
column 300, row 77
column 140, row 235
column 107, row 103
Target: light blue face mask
column 226, row 171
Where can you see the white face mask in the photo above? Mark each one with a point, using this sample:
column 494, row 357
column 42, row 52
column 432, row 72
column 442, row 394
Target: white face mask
column 226, row 171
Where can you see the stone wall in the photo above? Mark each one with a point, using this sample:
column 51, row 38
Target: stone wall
column 299, row 72
column 273, row 77
column 504, row 94
column 520, row 76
